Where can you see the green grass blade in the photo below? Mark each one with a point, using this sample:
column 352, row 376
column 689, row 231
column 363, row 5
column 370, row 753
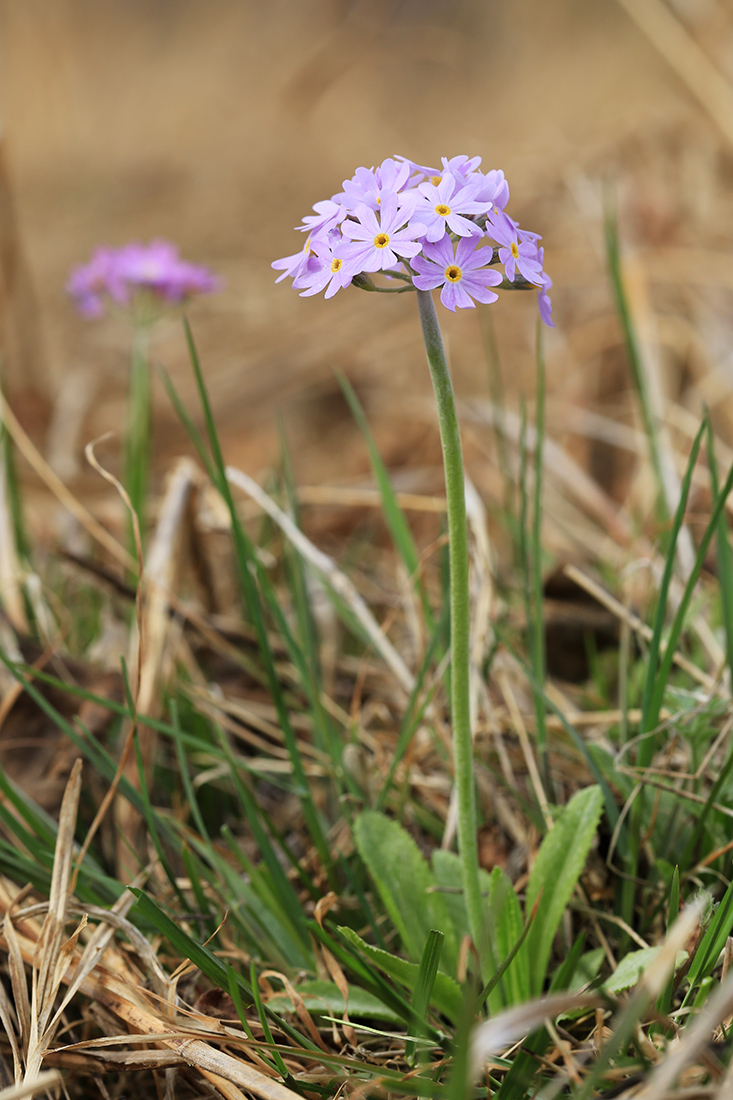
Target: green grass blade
column 393, row 514
column 191, row 430
column 414, row 713
column 205, row 959
column 636, row 358
column 426, row 976
column 652, row 697
column 151, row 821
column 188, row 787
column 289, row 907
column 506, row 963
column 710, row 946
column 724, row 554
column 265, row 1024
column 658, row 669
column 351, row 950
column 246, row 561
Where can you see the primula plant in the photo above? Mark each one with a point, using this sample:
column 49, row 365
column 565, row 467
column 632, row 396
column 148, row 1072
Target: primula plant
column 144, row 282
column 427, row 229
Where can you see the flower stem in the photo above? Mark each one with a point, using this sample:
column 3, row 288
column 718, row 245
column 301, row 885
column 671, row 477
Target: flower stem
column 137, row 444
column 460, row 616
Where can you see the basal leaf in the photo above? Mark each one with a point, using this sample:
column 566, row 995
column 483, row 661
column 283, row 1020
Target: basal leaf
column 559, row 864
column 446, row 996
column 406, row 885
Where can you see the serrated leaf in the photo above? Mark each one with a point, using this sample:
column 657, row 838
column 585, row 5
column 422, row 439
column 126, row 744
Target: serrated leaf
column 446, row 997
column 406, row 885
column 559, row 864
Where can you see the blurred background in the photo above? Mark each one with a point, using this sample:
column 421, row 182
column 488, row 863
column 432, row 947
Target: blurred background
column 218, row 125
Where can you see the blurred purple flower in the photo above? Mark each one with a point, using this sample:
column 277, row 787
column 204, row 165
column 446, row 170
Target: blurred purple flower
column 89, row 283
column 119, row 273
column 463, row 276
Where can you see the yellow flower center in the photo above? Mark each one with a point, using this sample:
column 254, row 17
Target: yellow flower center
column 514, row 250
column 453, row 273
column 442, row 209
column 381, row 240
column 336, row 265
column 435, row 180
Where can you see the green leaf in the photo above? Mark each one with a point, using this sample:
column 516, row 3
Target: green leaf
column 406, row 885
column 447, row 997
column 503, row 923
column 324, row 999
column 559, row 864
column 632, row 966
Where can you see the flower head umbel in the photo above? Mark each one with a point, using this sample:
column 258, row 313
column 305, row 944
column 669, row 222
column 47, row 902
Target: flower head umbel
column 425, row 227
column 119, row 275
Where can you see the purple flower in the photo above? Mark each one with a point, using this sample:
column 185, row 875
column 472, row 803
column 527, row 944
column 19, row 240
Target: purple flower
column 325, row 270
column 494, row 188
column 461, row 165
column 516, row 254
column 157, row 267
column 420, row 171
column 297, row 264
column 87, row 284
column 327, row 215
column 119, row 273
column 377, row 242
column 360, row 190
column 367, row 185
column 444, row 207
column 543, row 298
column 463, row 276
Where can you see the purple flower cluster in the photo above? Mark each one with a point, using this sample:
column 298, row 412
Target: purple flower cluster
column 430, row 227
column 121, row 274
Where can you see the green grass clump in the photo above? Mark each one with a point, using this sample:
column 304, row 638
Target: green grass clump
column 267, row 846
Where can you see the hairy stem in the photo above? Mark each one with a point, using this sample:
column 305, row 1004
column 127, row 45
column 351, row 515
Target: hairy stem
column 460, row 613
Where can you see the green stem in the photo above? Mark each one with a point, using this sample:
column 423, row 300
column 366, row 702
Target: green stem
column 137, row 444
column 460, row 613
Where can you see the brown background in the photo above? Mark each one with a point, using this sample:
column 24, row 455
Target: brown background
column 218, row 123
